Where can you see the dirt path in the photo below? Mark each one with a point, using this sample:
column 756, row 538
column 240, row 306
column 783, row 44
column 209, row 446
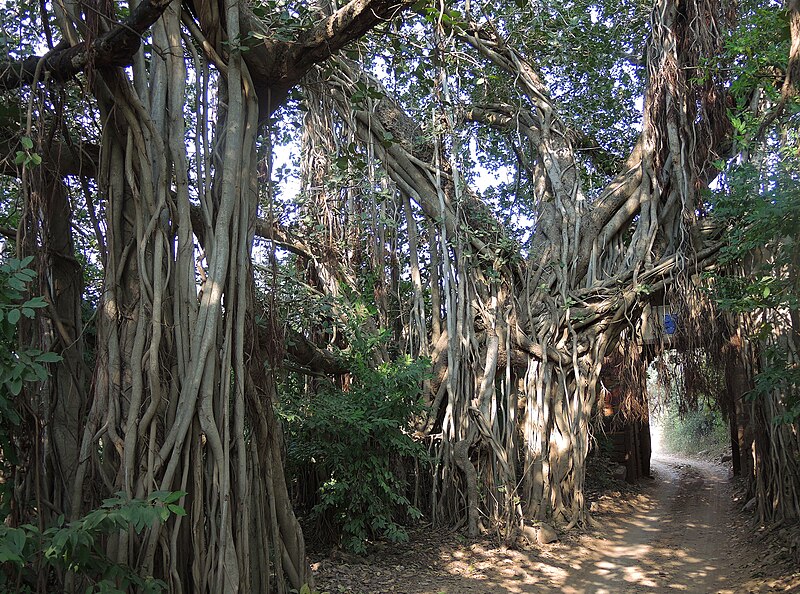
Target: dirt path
column 679, row 535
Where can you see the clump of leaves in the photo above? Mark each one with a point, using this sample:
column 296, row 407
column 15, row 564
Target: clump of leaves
column 352, row 438
column 17, row 366
column 77, row 546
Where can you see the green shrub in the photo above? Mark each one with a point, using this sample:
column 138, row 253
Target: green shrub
column 77, row 546
column 702, row 430
column 352, row 438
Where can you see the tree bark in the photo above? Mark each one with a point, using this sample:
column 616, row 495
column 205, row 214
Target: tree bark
column 737, row 382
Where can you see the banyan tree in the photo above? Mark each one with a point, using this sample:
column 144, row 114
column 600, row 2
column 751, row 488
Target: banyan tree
column 156, row 129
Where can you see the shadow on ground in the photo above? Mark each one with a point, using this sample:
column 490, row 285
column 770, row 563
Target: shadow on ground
column 677, row 535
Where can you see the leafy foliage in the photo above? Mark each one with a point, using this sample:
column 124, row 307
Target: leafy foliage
column 759, row 204
column 762, row 214
column 759, row 51
column 17, row 366
column 352, row 437
column 76, row 547
column 694, row 431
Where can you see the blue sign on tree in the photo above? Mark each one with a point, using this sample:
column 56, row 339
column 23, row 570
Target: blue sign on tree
column 670, row 323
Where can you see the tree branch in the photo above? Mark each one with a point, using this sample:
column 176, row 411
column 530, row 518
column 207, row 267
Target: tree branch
column 63, row 159
column 310, row 356
column 508, row 117
column 347, row 24
column 114, row 49
column 276, row 66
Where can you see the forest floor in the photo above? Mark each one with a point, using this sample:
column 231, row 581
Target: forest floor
column 683, row 531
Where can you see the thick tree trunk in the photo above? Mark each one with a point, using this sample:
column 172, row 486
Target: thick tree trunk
column 64, row 283
column 558, row 313
column 737, row 384
column 173, row 396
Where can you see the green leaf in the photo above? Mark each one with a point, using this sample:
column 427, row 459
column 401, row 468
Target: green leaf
column 16, row 283
column 176, row 509
column 766, row 292
column 173, row 496
column 26, row 142
column 6, row 554
column 14, row 316
column 49, row 358
column 15, row 385
column 39, row 373
column 35, row 303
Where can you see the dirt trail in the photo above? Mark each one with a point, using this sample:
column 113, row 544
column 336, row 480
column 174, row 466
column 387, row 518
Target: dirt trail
column 678, row 535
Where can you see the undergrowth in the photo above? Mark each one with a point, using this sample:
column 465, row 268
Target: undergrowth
column 696, row 432
column 354, row 440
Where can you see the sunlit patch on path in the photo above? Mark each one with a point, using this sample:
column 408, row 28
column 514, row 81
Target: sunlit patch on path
column 676, row 536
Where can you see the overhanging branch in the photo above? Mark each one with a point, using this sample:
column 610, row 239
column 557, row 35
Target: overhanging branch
column 114, row 49
column 277, row 66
